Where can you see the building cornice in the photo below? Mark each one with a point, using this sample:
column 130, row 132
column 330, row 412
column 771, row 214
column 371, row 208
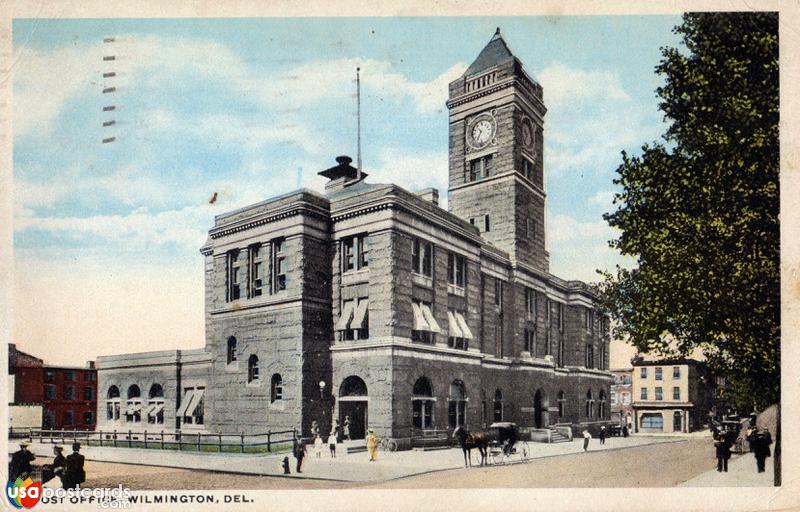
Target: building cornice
column 292, row 210
column 499, row 86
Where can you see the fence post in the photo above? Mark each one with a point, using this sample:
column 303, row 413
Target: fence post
column 145, row 438
column 115, row 438
column 30, row 434
column 269, row 440
column 198, row 442
column 219, row 439
column 162, row 439
column 241, row 442
column 101, row 438
column 180, row 442
column 130, row 436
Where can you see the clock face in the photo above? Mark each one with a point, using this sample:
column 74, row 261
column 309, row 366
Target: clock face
column 481, row 132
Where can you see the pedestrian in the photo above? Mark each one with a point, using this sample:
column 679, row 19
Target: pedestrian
column 74, row 474
column 20, row 464
column 286, row 466
column 56, row 469
column 318, row 447
column 586, row 437
column 602, row 435
column 347, row 427
column 723, row 452
column 761, row 450
column 372, row 446
column 314, row 428
column 332, row 444
column 624, row 430
column 300, row 454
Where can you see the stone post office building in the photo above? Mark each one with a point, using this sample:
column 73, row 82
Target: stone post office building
column 372, row 303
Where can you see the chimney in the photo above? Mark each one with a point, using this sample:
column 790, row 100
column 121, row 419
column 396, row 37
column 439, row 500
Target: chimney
column 429, row 194
column 342, row 175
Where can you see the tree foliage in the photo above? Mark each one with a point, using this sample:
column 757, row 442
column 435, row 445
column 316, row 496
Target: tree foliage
column 699, row 210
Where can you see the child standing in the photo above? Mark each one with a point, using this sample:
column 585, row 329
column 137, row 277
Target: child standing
column 318, row 447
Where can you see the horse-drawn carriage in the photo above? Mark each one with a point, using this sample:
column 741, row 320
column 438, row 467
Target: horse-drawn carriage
column 499, row 443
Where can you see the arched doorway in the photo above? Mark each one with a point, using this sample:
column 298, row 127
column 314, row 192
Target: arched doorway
column 353, row 401
column 457, row 405
column 539, row 409
column 422, row 404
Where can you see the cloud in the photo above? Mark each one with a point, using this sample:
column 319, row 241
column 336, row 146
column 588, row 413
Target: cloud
column 603, row 199
column 412, row 171
column 564, row 228
column 565, row 84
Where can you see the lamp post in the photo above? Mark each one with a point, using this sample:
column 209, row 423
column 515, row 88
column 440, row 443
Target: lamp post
column 322, row 403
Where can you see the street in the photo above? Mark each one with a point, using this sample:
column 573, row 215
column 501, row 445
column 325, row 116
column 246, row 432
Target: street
column 653, row 465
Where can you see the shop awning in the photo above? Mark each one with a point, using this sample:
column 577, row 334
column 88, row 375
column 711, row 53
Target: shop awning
column 419, row 319
column 196, row 397
column 187, row 399
column 432, row 324
column 157, row 409
column 344, row 320
column 452, row 325
column 360, row 315
column 462, row 324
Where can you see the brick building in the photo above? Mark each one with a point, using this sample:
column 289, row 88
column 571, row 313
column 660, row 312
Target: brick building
column 671, row 395
column 621, row 397
column 67, row 395
column 372, row 303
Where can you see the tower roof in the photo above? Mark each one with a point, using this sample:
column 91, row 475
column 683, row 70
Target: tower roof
column 494, row 53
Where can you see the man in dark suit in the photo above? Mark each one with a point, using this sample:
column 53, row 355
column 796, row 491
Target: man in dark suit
column 50, row 471
column 74, row 474
column 20, row 462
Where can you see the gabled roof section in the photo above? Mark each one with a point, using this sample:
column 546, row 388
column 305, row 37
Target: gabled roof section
column 493, row 54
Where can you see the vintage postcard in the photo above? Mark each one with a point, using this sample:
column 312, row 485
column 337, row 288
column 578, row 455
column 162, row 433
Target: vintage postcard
column 399, row 258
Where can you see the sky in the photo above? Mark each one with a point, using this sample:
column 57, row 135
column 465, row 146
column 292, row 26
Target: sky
column 107, row 236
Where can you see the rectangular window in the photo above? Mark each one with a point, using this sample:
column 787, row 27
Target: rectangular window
column 256, row 274
column 278, row 266
column 498, row 294
column 69, row 418
column 643, row 395
column 472, row 220
column 626, row 398
column 90, row 376
column 355, row 253
column 422, row 258
column 458, row 332
column 676, row 393
column 498, row 334
column 70, row 376
column 676, row 372
column 527, row 168
column 50, row 391
column 49, row 375
column 480, row 168
column 88, row 393
column 530, row 303
column 659, row 373
column 88, row 418
column 424, row 327
column 613, row 398
column 530, row 341
column 659, row 393
column 456, row 269
column 69, row 393
column 643, row 373
column 486, row 225
column 561, row 317
column 589, row 356
column 233, row 275
column 549, row 327
column 356, row 324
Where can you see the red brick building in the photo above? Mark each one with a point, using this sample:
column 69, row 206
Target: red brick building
column 68, row 394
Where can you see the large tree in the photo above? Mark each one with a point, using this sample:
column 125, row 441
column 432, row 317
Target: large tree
column 699, row 210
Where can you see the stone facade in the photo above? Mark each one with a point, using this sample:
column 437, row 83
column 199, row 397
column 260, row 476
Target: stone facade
column 372, row 304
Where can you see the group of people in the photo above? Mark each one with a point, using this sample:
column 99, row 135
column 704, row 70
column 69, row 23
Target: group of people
column 602, row 434
column 300, row 450
column 758, row 439
column 69, row 469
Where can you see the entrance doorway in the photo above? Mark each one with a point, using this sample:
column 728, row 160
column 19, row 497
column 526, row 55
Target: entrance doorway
column 677, row 422
column 353, row 407
column 539, row 409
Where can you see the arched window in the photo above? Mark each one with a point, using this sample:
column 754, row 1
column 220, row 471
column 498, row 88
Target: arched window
column 498, row 405
column 112, row 404
column 133, row 407
column 155, row 404
column 156, row 391
column 353, row 386
column 422, row 403
column 457, row 404
column 252, row 368
column 601, row 406
column 276, row 388
column 231, row 349
column 589, row 404
column 562, row 404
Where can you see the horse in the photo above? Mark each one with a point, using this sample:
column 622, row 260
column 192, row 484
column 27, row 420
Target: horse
column 468, row 441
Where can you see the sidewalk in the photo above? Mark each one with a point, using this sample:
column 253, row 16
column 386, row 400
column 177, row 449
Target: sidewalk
column 742, row 472
column 345, row 467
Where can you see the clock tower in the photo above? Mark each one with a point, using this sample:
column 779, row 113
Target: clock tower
column 496, row 164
